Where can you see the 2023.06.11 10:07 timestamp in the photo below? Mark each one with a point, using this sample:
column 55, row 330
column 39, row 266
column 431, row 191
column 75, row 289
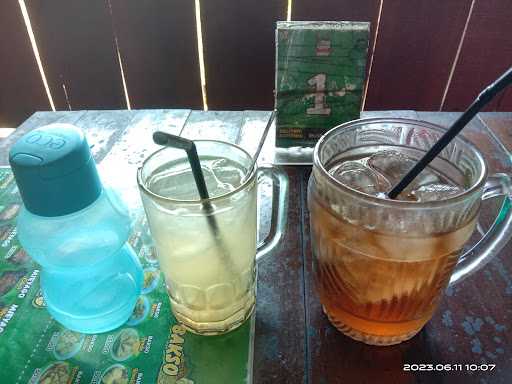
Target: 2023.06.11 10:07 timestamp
column 449, row 367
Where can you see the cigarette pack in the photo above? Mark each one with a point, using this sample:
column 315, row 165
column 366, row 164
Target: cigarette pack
column 320, row 77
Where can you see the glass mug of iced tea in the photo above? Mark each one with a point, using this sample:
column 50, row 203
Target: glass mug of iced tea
column 381, row 265
column 207, row 248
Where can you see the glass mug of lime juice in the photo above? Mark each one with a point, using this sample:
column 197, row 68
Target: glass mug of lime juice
column 207, row 249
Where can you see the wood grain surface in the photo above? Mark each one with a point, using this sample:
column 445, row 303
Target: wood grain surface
column 279, row 345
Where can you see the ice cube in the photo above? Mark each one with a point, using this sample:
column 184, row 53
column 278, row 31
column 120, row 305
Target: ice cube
column 226, row 175
column 435, row 192
column 174, row 184
column 360, row 177
column 425, row 177
column 393, row 165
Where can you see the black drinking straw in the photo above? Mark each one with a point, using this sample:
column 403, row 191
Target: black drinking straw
column 189, row 146
column 483, row 98
column 168, row 140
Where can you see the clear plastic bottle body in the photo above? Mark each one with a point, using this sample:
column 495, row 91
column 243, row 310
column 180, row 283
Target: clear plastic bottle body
column 91, row 277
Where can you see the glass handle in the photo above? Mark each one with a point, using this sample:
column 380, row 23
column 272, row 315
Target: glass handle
column 279, row 208
column 496, row 237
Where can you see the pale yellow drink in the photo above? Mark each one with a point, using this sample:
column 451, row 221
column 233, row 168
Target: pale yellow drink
column 208, row 263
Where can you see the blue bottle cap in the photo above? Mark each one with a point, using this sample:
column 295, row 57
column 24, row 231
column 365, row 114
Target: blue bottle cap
column 54, row 170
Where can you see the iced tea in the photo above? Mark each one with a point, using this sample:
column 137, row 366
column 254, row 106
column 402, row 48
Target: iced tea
column 380, row 283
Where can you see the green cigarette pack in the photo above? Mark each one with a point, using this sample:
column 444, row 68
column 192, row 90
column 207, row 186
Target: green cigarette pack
column 320, row 77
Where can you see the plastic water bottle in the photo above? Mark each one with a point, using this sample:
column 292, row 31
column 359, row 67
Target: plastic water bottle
column 76, row 229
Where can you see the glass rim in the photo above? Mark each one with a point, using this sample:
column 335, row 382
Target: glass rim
column 482, row 177
column 250, row 175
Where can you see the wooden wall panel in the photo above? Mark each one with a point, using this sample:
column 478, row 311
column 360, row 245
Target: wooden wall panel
column 157, row 40
column 414, row 53
column 416, row 47
column 486, row 53
column 239, row 38
column 21, row 88
column 505, row 103
column 344, row 10
column 77, row 49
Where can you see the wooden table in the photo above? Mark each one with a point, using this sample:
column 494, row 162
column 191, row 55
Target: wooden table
column 294, row 341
